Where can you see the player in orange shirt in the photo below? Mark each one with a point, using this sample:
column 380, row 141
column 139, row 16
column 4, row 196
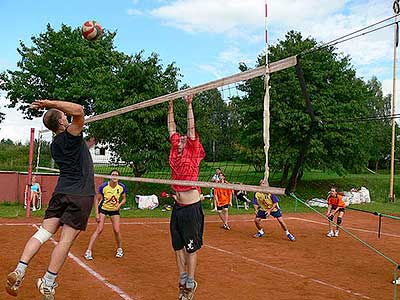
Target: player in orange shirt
column 223, row 198
column 337, row 206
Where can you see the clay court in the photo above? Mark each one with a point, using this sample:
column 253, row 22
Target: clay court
column 232, row 264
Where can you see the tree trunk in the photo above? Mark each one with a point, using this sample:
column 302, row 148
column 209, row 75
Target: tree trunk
column 285, row 174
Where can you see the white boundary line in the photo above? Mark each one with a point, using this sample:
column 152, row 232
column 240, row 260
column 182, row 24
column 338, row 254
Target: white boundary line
column 352, row 228
column 92, row 272
column 282, row 270
column 254, row 261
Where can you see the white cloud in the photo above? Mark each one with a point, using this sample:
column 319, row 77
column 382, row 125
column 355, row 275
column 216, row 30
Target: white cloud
column 14, row 126
column 233, row 54
column 216, row 16
column 134, row 12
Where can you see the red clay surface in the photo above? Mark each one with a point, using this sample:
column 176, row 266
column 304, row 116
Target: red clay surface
column 232, row 264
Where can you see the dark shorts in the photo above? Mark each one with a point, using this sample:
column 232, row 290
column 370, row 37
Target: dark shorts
column 72, row 210
column 340, row 209
column 109, row 212
column 187, row 226
column 223, row 206
column 262, row 214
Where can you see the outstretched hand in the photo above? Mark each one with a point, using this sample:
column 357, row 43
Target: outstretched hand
column 189, row 99
column 39, row 104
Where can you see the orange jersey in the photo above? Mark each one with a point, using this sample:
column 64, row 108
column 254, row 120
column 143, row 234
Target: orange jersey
column 336, row 201
column 223, row 196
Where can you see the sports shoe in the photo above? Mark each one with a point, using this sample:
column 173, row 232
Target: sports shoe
column 47, row 291
column 258, row 234
column 34, row 209
column 291, row 237
column 14, row 280
column 88, row 255
column 120, row 253
column 226, row 226
column 181, row 291
column 188, row 294
column 330, row 234
column 336, row 233
column 397, row 281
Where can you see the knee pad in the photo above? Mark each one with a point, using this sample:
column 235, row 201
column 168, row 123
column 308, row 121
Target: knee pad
column 42, row 235
column 339, row 220
column 330, row 218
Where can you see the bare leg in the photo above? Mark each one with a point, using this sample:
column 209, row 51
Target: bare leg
column 191, row 260
column 180, row 256
column 60, row 252
column 340, row 215
column 257, row 221
column 115, row 220
column 282, row 223
column 98, row 231
column 33, row 245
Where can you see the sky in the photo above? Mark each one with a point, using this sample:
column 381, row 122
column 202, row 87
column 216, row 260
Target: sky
column 207, row 39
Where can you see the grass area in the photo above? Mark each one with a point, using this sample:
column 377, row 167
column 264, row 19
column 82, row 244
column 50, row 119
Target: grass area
column 314, row 184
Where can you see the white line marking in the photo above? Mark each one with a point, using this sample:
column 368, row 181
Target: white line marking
column 352, row 228
column 283, row 270
column 92, row 272
column 288, row 272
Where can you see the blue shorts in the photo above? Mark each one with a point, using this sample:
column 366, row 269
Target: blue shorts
column 262, row 214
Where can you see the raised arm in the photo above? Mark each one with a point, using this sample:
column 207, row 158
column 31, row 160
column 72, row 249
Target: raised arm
column 170, row 119
column 69, row 108
column 191, row 131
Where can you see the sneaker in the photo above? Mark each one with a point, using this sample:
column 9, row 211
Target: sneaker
column 88, row 255
column 336, row 233
column 258, row 234
column 181, row 291
column 330, row 234
column 14, row 280
column 226, row 226
column 397, row 281
column 188, row 294
column 291, row 237
column 120, row 253
column 34, row 209
column 47, row 291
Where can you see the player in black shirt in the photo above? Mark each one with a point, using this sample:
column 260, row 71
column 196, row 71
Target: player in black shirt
column 72, row 199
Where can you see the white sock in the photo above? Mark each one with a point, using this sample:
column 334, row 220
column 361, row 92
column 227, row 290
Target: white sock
column 261, row 231
column 287, row 232
column 21, row 268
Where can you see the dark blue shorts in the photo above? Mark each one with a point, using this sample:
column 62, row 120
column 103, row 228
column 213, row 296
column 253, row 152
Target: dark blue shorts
column 108, row 212
column 262, row 214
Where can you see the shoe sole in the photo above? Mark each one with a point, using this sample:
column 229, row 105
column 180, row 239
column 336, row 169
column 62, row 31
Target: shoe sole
column 39, row 282
column 194, row 290
column 11, row 280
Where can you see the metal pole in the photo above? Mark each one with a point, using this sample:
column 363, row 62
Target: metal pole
column 396, row 41
column 28, row 196
column 266, row 101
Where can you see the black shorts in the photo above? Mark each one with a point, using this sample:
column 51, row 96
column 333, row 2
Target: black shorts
column 340, row 209
column 109, row 212
column 73, row 210
column 223, row 206
column 187, row 226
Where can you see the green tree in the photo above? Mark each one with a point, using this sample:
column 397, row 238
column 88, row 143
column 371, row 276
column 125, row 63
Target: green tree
column 63, row 65
column 336, row 95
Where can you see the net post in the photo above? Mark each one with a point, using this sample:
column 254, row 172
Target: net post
column 266, row 113
column 380, row 226
column 28, row 194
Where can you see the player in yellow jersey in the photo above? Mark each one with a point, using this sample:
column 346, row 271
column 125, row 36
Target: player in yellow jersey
column 110, row 197
column 266, row 204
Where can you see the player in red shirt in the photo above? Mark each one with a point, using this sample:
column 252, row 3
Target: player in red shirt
column 337, row 206
column 187, row 218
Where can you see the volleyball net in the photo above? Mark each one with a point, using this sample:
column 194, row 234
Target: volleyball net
column 229, row 117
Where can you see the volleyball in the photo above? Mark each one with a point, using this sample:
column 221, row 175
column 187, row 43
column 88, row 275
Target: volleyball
column 91, row 30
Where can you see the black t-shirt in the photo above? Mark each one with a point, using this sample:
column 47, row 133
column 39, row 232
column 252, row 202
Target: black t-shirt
column 72, row 156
